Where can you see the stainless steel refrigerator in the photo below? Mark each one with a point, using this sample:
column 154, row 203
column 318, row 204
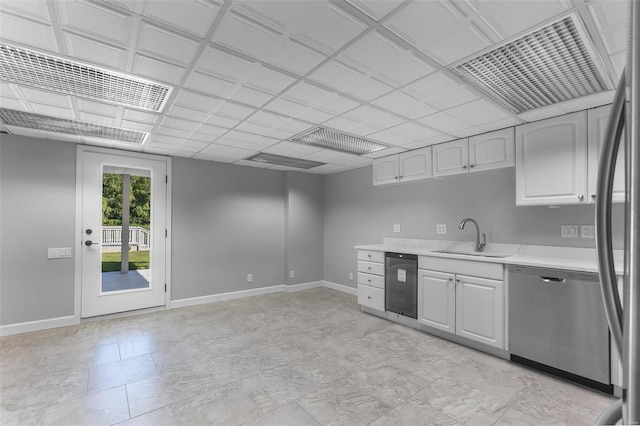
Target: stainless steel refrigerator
column 623, row 132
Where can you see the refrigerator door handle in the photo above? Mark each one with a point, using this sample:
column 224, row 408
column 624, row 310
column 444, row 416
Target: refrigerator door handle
column 604, row 244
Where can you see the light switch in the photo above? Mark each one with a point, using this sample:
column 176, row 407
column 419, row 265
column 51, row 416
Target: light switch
column 59, row 253
column 441, row 229
column 587, row 231
column 569, row 231
column 396, row 227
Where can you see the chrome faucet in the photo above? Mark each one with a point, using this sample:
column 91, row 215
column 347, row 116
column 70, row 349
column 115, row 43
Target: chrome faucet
column 479, row 245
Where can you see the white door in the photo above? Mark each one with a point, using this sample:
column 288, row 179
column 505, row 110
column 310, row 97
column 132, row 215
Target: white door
column 597, row 126
column 415, row 164
column 551, row 161
column 451, row 158
column 480, row 310
column 386, row 170
column 109, row 283
column 437, row 300
column 492, row 150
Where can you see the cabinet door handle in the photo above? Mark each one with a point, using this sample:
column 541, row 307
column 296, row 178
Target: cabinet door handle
column 369, row 297
column 401, row 177
column 457, row 281
column 464, row 167
column 395, row 177
column 368, row 280
column 593, row 196
column 580, row 197
column 471, row 166
column 450, row 279
column 369, row 256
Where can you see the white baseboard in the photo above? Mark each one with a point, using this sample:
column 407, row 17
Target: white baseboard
column 343, row 288
column 181, row 303
column 26, row 327
column 303, row 286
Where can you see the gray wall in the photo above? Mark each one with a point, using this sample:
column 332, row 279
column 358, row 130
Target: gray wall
column 37, row 210
column 356, row 212
column 304, row 227
column 228, row 221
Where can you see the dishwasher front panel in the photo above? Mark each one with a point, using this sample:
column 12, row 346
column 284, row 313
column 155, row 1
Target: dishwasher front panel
column 401, row 284
column 557, row 318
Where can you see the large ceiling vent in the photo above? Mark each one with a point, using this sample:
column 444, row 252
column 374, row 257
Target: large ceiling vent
column 331, row 139
column 35, row 69
column 29, row 120
column 554, row 64
column 281, row 160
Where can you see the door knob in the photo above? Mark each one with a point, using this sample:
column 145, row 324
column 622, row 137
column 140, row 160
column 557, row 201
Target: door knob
column 88, row 231
column 89, row 243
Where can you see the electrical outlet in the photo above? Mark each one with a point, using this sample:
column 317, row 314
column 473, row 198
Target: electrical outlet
column 587, row 231
column 249, row 278
column 396, row 227
column 441, row 229
column 351, row 276
column 292, row 274
column 569, row 231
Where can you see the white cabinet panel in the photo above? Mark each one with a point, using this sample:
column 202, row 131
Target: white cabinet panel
column 480, row 310
column 437, row 300
column 386, row 170
column 597, row 126
column 371, row 280
column 551, row 161
column 371, row 297
column 371, row 255
column 415, row 164
column 492, row 150
column 371, row 267
column 451, row 157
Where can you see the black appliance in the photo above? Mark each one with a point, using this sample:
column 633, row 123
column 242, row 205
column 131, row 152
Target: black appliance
column 401, row 284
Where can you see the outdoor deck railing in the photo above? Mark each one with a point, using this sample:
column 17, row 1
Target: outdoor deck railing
column 112, row 236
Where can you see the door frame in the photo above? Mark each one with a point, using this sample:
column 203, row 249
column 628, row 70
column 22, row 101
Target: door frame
column 81, row 149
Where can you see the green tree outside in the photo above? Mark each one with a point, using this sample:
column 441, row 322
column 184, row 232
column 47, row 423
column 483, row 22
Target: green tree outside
column 139, row 200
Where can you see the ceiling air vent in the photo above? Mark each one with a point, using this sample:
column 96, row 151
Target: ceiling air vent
column 35, row 69
column 29, row 120
column 331, row 139
column 281, row 160
column 554, row 64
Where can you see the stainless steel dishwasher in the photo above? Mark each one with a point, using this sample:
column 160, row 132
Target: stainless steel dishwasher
column 557, row 323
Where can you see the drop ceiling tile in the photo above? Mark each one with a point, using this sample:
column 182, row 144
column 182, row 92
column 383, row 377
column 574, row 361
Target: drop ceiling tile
column 145, row 117
column 500, row 124
column 294, row 56
column 376, row 9
column 267, row 80
column 172, row 141
column 259, row 129
column 136, row 125
column 187, row 113
column 368, row 88
column 440, row 91
column 510, row 18
column 33, row 9
column 350, row 126
column 310, row 21
column 405, row 105
column 193, row 145
column 95, row 20
column 221, row 121
column 209, row 85
column 245, row 35
column 268, row 119
column 97, row 107
column 445, row 122
column 95, row 51
column 336, row 75
column 168, row 46
column 11, row 103
column 248, row 96
column 178, row 124
column 196, row 101
column 470, row 131
column 446, row 38
column 292, row 149
column 27, row 31
column 337, row 104
column 373, row 117
column 178, row 152
column 413, row 131
column 294, row 126
column 329, row 156
column 246, row 140
column 388, row 138
column 191, row 16
column 328, row 169
column 287, row 107
column 200, row 137
column 224, row 153
column 385, row 152
column 232, row 110
column 169, row 131
column 45, row 97
column 157, row 70
column 8, row 90
column 224, row 65
column 210, row 131
column 105, row 120
column 307, row 94
column 479, row 112
column 379, row 57
column 52, row 110
column 315, row 116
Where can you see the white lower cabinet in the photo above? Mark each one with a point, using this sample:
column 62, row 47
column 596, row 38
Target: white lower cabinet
column 468, row 306
column 371, row 279
column 437, row 300
column 480, row 310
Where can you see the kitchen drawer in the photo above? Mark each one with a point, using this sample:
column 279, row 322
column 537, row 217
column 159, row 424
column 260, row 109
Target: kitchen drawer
column 371, row 256
column 371, row 267
column 371, row 280
column 371, row 297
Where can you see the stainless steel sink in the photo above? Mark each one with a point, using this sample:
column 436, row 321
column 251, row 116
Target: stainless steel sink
column 471, row 253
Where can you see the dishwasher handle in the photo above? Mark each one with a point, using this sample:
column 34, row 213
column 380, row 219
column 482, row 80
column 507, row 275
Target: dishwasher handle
column 553, row 280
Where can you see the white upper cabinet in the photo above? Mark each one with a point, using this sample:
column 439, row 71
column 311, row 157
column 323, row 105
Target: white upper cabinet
column 597, row 126
column 492, row 150
column 551, row 161
column 451, row 158
column 408, row 166
column 386, row 170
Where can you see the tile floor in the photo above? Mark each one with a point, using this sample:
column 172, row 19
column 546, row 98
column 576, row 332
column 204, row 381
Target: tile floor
column 303, row 358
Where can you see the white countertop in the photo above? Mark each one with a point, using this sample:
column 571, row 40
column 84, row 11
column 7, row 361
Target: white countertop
column 568, row 258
